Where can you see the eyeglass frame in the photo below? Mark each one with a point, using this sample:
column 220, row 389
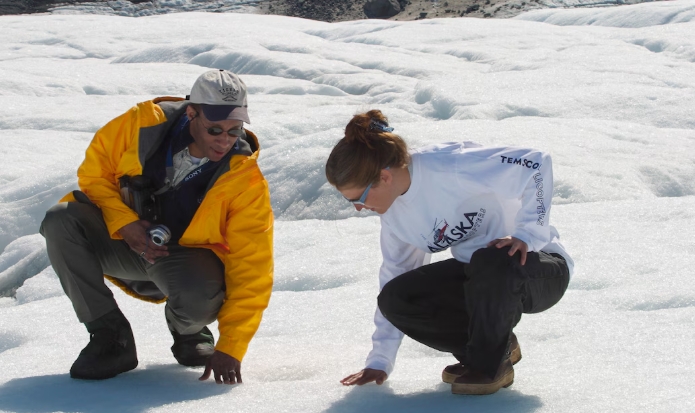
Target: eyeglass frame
column 217, row 131
column 362, row 198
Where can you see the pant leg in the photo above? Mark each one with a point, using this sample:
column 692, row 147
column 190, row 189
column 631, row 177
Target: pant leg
column 498, row 289
column 427, row 304
column 549, row 285
column 81, row 251
column 193, row 281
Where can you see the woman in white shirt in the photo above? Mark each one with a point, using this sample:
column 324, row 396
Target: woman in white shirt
column 491, row 206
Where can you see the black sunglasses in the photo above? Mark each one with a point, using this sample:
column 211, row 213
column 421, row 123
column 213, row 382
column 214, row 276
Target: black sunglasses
column 216, row 131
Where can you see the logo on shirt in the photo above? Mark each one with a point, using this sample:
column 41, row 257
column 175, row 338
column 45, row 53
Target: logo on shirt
column 540, row 208
column 521, row 162
column 440, row 233
column 192, row 175
column 444, row 235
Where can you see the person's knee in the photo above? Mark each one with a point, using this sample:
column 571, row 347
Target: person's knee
column 54, row 219
column 492, row 271
column 60, row 218
column 199, row 305
column 388, row 299
column 489, row 257
column 203, row 314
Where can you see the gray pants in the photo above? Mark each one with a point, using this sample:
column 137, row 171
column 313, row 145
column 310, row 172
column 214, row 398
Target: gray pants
column 81, row 252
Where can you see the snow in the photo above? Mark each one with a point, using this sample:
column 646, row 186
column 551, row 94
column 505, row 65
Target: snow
column 667, row 12
column 608, row 92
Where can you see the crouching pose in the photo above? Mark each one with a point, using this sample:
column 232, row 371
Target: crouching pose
column 172, row 208
column 491, row 206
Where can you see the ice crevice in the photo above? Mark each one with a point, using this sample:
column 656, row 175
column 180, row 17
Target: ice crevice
column 22, row 259
column 10, row 340
column 665, row 303
column 668, row 182
column 348, row 30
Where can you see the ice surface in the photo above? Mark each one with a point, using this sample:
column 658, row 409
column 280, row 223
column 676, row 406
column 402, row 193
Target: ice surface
column 608, row 92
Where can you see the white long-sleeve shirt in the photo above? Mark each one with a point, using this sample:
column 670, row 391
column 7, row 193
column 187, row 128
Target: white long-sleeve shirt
column 462, row 196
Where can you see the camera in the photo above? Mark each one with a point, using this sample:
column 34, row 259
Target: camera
column 159, row 234
column 137, row 192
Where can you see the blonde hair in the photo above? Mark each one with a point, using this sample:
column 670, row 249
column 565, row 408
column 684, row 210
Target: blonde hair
column 358, row 158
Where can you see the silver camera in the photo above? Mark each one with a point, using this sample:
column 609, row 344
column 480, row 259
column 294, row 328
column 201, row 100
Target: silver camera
column 160, row 234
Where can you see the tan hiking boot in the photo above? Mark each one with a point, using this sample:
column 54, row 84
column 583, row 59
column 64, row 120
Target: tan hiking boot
column 476, row 383
column 454, row 371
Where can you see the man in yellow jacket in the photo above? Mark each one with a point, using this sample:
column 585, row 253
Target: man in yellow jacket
column 172, row 208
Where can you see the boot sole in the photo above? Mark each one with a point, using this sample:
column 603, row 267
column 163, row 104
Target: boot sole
column 449, row 378
column 197, row 362
column 103, row 377
column 483, row 389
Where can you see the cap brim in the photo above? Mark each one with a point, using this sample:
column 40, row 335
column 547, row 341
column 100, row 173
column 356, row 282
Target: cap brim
column 218, row 113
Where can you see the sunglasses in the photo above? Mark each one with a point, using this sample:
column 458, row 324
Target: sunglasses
column 217, row 131
column 363, row 198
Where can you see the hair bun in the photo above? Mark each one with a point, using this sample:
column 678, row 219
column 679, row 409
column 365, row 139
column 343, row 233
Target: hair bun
column 368, row 147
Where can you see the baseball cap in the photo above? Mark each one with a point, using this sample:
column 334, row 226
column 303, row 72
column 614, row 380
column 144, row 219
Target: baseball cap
column 222, row 96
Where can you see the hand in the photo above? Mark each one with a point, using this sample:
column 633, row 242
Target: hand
column 135, row 235
column 516, row 245
column 227, row 369
column 365, row 376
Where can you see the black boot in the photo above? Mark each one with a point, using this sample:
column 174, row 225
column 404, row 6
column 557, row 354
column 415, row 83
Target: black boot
column 193, row 350
column 111, row 349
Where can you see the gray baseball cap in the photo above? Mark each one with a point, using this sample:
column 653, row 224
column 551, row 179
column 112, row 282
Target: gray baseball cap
column 222, row 96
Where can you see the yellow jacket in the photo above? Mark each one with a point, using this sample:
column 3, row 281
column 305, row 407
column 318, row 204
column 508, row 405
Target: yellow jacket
column 235, row 219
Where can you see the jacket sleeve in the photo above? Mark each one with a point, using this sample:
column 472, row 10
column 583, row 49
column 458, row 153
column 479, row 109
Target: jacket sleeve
column 98, row 176
column 398, row 258
column 518, row 173
column 248, row 267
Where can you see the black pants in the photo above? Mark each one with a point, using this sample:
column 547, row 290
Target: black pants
column 470, row 309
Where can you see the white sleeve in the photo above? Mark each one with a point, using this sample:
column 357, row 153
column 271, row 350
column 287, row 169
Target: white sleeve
column 398, row 258
column 524, row 174
column 533, row 219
